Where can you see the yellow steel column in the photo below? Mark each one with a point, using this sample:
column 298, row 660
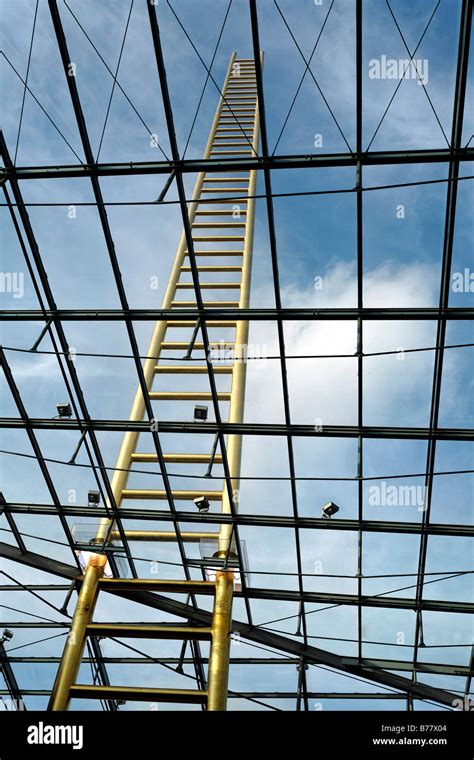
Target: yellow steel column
column 220, row 647
column 74, row 647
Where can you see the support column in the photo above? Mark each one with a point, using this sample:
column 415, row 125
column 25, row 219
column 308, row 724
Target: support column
column 220, row 646
column 74, row 647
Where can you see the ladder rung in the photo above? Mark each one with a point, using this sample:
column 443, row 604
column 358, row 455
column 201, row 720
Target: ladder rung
column 207, row 304
column 209, row 285
column 223, row 190
column 219, row 238
column 217, row 253
column 154, row 584
column 231, row 145
column 183, row 345
column 138, row 694
column 150, row 493
column 166, row 536
column 149, row 631
column 215, row 268
column 219, row 225
column 187, row 396
column 222, row 212
column 225, row 179
column 225, row 201
column 191, row 370
column 138, row 456
column 231, row 152
column 212, row 323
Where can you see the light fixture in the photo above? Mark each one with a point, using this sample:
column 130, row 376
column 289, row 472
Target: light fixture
column 64, row 410
column 202, row 504
column 93, row 498
column 200, row 412
column 7, row 635
column 329, row 509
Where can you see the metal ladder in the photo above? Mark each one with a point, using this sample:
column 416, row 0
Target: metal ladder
column 234, row 132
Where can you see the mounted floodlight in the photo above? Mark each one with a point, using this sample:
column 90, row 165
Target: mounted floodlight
column 93, row 498
column 64, row 410
column 7, row 635
column 329, row 509
column 202, row 504
column 200, row 413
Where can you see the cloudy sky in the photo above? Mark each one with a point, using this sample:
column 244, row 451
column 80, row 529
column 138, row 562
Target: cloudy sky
column 316, row 240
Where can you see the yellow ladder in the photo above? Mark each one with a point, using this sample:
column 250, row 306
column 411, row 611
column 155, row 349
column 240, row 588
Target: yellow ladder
column 234, row 132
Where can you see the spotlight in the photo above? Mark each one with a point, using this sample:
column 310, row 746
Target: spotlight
column 200, row 413
column 7, row 635
column 202, row 504
column 64, row 410
column 329, row 509
column 93, row 498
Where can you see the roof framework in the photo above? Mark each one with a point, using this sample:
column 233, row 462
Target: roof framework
column 400, row 678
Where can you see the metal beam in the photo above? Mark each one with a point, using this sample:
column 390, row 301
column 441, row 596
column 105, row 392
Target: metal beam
column 266, row 521
column 185, row 166
column 401, row 665
column 242, row 428
column 10, row 679
column 264, row 694
column 235, row 314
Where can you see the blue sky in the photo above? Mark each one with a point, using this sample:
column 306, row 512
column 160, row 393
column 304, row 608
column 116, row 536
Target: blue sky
column 316, row 238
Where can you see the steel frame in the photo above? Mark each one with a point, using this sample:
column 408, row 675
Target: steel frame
column 52, row 318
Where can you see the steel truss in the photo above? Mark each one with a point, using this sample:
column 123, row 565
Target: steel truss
column 151, row 593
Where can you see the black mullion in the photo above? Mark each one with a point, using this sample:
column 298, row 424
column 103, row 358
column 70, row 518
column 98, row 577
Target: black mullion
column 276, row 286
column 456, row 136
